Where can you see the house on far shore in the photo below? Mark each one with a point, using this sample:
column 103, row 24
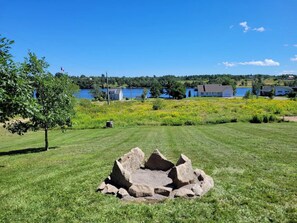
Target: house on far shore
column 116, row 94
column 282, row 90
column 266, row 90
column 278, row 90
column 214, row 90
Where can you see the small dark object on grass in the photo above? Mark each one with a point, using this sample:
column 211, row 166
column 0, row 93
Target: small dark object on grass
column 109, row 124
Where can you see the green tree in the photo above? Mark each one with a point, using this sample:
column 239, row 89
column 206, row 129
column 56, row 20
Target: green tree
column 97, row 93
column 256, row 85
column 156, row 89
column 54, row 97
column 144, row 94
column 176, row 89
column 15, row 89
column 247, row 95
column 189, row 94
column 271, row 93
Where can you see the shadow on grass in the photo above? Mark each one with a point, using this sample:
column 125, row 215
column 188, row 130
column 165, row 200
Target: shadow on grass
column 25, row 151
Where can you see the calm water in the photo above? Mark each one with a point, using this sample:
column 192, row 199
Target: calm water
column 240, row 92
column 136, row 92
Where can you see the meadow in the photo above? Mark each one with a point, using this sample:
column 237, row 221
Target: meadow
column 194, row 111
column 253, row 166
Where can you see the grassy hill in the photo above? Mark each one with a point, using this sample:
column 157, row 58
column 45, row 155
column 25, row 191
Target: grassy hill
column 194, row 111
column 253, row 166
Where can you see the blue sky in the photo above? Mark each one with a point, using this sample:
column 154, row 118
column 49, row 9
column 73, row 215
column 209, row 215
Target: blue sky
column 155, row 37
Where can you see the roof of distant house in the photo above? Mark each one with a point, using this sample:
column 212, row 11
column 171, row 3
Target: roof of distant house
column 267, row 88
column 284, row 87
column 213, row 88
column 115, row 90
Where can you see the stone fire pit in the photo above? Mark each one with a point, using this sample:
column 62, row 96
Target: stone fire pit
column 134, row 179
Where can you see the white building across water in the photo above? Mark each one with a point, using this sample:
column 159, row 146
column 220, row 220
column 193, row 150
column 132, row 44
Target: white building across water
column 214, row 90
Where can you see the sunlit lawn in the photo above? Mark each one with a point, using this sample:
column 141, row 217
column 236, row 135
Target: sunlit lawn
column 253, row 165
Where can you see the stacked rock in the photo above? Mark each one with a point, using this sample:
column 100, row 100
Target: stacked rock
column 133, row 179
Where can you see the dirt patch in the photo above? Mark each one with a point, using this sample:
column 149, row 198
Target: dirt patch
column 290, row 118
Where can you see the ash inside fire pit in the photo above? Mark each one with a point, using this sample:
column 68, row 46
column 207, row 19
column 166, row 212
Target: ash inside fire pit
column 133, row 179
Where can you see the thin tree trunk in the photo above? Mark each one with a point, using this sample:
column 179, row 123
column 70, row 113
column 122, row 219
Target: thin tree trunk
column 46, row 138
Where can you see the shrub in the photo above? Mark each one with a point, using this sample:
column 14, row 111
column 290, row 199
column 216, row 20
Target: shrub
column 272, row 118
column 265, row 119
column 158, row 104
column 188, row 122
column 84, row 102
column 292, row 95
column 256, row 119
column 247, row 95
column 233, row 120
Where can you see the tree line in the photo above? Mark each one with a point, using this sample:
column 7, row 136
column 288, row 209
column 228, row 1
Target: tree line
column 191, row 81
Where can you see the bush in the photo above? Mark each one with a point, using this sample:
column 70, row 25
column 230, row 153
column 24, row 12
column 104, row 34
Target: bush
column 292, row 95
column 84, row 102
column 158, row 104
column 256, row 119
column 272, row 118
column 188, row 122
column 247, row 95
column 233, row 120
column 263, row 118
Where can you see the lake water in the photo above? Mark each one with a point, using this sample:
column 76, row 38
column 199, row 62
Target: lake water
column 136, row 92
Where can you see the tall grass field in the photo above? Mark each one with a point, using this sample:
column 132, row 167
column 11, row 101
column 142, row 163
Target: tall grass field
column 253, row 166
column 181, row 112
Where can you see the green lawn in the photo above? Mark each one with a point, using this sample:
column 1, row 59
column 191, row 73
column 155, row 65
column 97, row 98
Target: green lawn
column 254, row 167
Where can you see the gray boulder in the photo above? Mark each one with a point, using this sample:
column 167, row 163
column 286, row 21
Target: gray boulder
column 141, row 190
column 110, row 189
column 120, row 176
column 198, row 191
column 101, row 186
column 133, row 160
column 183, row 192
column 200, row 174
column 207, row 184
column 165, row 191
column 122, row 193
column 158, row 162
column 182, row 174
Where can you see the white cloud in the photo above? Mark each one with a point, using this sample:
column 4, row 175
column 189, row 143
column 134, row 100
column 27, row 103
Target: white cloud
column 288, row 72
column 228, row 64
column 247, row 28
column 264, row 63
column 294, row 58
column 260, row 29
column 295, row 45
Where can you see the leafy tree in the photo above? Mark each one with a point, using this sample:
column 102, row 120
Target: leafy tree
column 271, row 93
column 189, row 94
column 247, row 95
column 15, row 89
column 54, row 98
column 144, row 94
column 175, row 89
column 98, row 94
column 256, row 85
column 156, row 89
